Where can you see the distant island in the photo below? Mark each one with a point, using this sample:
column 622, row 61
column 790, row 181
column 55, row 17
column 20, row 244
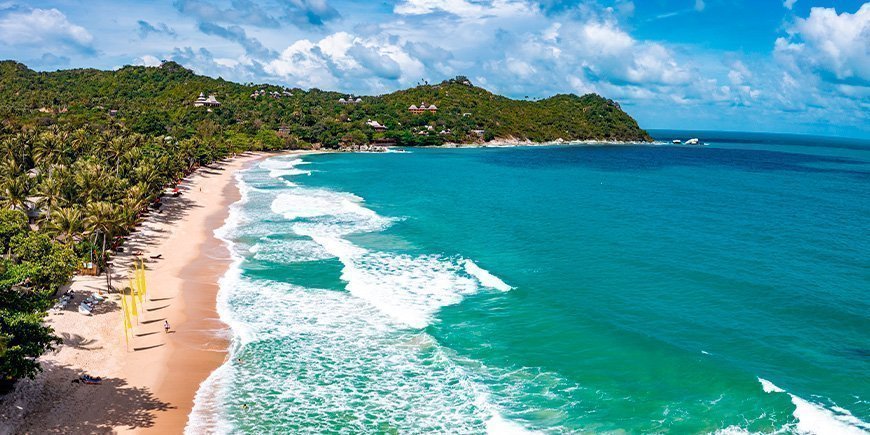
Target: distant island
column 171, row 100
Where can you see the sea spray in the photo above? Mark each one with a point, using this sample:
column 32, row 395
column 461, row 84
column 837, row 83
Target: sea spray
column 816, row 419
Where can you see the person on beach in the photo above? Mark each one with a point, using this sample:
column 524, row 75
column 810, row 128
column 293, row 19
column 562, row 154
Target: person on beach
column 166, row 326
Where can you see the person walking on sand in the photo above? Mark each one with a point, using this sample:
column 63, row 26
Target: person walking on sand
column 166, row 326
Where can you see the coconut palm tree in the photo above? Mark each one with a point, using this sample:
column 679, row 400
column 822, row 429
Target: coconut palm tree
column 14, row 193
column 101, row 222
column 50, row 193
column 65, row 223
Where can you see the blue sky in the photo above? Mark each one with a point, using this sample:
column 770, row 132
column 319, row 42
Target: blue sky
column 757, row 65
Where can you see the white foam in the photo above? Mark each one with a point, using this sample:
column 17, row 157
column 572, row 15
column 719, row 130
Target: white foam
column 497, row 425
column 289, row 251
column 768, row 386
column 283, row 168
column 815, row 419
column 486, row 279
column 733, row 430
column 338, row 360
column 308, row 203
column 204, row 417
column 409, row 289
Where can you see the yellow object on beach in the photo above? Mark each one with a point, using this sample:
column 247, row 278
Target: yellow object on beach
column 125, row 318
column 140, row 278
column 133, row 309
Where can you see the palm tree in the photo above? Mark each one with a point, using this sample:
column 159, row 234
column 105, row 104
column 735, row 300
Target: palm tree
column 14, row 193
column 50, row 148
column 65, row 223
column 101, row 219
column 50, row 193
column 115, row 148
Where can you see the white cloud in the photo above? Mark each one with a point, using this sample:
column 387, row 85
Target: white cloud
column 789, row 3
column 739, row 73
column 836, row 45
column 463, row 8
column 148, row 60
column 42, row 27
column 699, row 5
column 329, row 62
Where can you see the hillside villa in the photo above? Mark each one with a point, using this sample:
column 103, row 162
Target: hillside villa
column 211, row 101
column 376, row 125
column 423, row 108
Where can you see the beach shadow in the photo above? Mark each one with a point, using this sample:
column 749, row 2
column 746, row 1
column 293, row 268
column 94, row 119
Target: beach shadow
column 76, row 407
column 77, row 341
column 145, row 322
column 137, row 349
column 157, row 308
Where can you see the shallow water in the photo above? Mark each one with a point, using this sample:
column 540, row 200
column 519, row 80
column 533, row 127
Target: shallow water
column 560, row 289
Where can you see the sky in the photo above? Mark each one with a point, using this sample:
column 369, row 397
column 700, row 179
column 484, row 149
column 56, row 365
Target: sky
column 797, row 66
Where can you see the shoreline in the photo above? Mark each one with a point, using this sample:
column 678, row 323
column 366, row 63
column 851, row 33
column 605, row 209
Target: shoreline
column 509, row 143
column 150, row 385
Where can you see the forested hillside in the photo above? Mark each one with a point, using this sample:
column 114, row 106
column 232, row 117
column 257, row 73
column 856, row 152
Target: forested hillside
column 159, row 101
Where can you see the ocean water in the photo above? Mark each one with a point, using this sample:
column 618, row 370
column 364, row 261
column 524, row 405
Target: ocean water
column 561, row 289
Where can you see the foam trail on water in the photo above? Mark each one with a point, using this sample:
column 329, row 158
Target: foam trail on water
column 818, row 420
column 485, row 278
column 280, row 168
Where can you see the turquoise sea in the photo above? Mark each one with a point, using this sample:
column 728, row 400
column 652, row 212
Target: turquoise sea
column 659, row 288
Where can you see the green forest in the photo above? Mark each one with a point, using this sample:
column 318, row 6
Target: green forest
column 84, row 152
column 159, row 101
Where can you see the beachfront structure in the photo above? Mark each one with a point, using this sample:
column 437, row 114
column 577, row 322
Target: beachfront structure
column 376, row 125
column 423, row 108
column 211, row 101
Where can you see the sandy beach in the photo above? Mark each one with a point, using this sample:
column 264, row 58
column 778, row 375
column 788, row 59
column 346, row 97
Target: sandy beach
column 148, row 386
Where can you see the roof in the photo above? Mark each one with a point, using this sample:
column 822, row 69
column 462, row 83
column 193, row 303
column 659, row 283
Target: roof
column 432, row 107
column 413, row 107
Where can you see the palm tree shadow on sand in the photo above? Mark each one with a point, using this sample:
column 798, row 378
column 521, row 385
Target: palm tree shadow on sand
column 93, row 408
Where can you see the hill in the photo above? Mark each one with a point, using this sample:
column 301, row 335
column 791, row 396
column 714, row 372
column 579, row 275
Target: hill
column 159, row 101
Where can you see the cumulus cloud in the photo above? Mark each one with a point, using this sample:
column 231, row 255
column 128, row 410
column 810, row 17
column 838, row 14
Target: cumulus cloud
column 146, row 28
column 252, row 46
column 202, row 61
column 837, row 46
column 45, row 28
column 329, row 62
column 789, row 3
column 147, row 60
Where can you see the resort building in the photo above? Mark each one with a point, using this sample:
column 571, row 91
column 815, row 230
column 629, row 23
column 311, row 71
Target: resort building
column 376, row 125
column 211, row 101
column 349, row 100
column 423, row 108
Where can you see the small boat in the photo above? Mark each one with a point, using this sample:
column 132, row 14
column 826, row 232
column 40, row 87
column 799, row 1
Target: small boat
column 676, row 141
column 84, row 309
column 693, row 141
